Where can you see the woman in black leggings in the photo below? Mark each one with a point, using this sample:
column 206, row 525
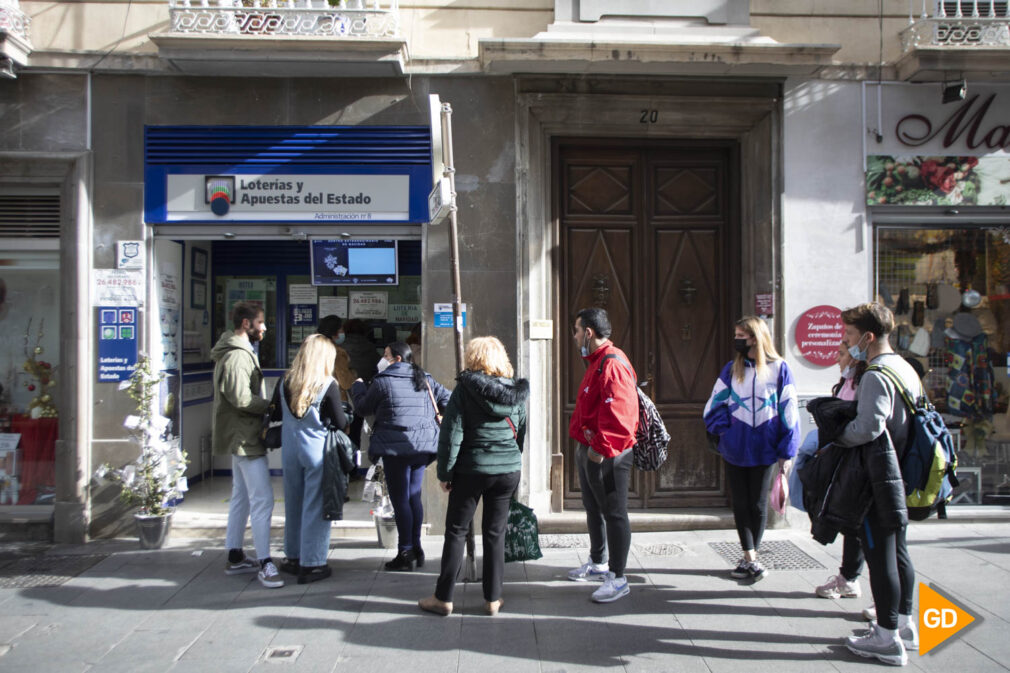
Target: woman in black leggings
column 753, row 411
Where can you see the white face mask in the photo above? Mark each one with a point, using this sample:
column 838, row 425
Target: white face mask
column 382, row 364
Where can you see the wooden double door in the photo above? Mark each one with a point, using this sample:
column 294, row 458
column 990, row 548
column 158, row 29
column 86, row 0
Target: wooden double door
column 649, row 231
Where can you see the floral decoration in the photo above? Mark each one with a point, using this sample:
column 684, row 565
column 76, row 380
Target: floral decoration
column 155, row 479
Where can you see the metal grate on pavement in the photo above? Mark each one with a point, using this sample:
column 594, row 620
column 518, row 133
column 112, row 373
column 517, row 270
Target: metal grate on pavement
column 774, row 555
column 45, row 571
column 671, row 549
column 560, row 541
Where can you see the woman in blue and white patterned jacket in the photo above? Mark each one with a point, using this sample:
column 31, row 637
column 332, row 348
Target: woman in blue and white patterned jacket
column 753, row 411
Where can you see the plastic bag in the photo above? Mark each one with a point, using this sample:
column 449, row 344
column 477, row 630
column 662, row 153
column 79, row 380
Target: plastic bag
column 370, row 491
column 522, row 535
column 779, row 496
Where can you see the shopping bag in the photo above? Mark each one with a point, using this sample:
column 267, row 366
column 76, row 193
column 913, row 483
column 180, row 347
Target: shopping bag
column 779, row 496
column 522, row 535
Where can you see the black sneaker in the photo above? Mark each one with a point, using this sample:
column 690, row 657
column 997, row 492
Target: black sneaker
column 756, row 571
column 289, row 566
column 418, row 556
column 308, row 574
column 742, row 570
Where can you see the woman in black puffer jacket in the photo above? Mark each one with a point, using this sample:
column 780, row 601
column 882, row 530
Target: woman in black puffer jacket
column 403, row 398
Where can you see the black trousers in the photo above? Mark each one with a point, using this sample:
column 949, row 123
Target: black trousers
column 852, row 557
column 605, row 498
column 749, row 487
column 467, row 490
column 892, row 576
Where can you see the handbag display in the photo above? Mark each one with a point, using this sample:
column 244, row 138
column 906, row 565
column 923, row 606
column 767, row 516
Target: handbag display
column 522, row 534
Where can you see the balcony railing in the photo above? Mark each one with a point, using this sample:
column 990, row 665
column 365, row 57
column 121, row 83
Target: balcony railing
column 963, row 24
column 13, row 21
column 351, row 19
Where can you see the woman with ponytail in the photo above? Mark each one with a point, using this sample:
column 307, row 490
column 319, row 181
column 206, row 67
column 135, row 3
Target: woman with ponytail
column 404, row 400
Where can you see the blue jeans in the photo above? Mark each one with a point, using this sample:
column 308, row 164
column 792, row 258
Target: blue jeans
column 252, row 497
column 404, row 476
column 306, row 532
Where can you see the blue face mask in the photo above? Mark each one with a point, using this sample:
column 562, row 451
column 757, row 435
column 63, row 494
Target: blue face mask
column 584, row 350
column 857, row 353
column 340, row 338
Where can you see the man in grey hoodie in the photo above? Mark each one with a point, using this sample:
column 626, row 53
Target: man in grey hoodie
column 880, row 409
column 239, row 404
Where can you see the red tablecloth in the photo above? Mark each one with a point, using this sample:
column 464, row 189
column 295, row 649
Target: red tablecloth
column 38, row 455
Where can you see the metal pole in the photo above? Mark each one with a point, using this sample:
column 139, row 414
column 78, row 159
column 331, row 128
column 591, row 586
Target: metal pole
column 450, row 172
column 470, row 566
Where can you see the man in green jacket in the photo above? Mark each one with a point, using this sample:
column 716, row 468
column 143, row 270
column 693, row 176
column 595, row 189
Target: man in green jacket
column 239, row 404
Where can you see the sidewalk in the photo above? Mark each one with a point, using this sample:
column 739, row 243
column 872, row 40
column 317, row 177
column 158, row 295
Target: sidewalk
column 175, row 610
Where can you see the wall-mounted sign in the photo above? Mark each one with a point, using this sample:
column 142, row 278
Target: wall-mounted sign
column 914, row 119
column 405, row 313
column 369, row 305
column 764, row 304
column 130, row 255
column 302, row 294
column 333, row 306
column 443, row 316
column 297, row 174
column 937, row 180
column 117, row 287
column 288, row 197
column 117, row 342
column 303, row 314
column 819, row 331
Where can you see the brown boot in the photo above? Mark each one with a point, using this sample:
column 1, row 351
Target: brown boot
column 432, row 604
column 492, row 607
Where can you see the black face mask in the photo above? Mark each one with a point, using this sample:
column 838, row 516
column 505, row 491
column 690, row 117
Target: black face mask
column 740, row 346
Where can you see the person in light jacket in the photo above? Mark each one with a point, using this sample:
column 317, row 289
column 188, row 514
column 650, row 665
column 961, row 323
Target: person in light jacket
column 405, row 400
column 480, row 456
column 753, row 410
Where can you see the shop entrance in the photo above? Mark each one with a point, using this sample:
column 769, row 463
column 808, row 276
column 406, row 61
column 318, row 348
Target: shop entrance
column 196, row 282
column 649, row 232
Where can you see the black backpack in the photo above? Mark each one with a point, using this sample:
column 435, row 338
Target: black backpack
column 651, row 438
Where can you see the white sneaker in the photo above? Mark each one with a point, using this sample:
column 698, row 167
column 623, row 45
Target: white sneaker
column 839, row 587
column 612, row 589
column 588, row 571
column 870, row 613
column 876, row 644
column 269, row 577
column 909, row 634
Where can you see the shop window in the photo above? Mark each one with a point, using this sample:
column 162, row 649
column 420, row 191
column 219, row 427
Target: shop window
column 30, row 375
column 950, row 292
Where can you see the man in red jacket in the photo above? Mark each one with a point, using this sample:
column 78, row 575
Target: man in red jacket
column 603, row 424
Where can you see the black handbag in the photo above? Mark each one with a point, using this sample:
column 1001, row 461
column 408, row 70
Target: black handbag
column 270, row 434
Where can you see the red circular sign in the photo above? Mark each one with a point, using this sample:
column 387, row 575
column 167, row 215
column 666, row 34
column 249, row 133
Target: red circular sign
column 818, row 333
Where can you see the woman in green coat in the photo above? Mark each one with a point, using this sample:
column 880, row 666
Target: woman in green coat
column 479, row 455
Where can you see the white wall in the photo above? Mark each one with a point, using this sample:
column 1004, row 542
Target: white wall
column 826, row 247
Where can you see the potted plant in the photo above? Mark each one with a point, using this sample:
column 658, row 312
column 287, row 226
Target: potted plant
column 155, row 479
